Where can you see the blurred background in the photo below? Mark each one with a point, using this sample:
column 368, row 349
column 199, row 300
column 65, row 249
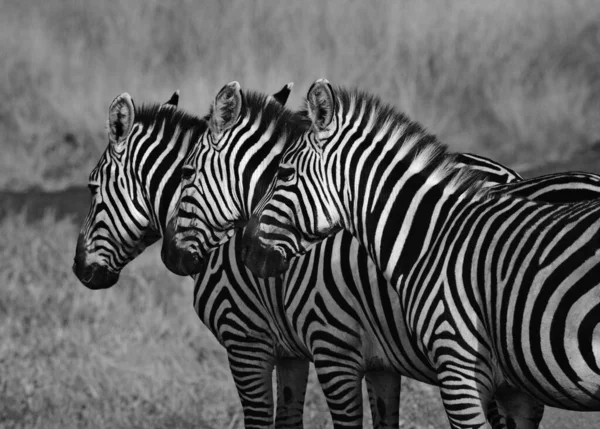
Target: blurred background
column 518, row 81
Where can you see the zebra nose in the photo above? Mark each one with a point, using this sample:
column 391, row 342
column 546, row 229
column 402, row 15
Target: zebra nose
column 190, row 262
column 263, row 261
column 182, row 262
column 80, row 256
column 88, row 274
column 250, row 240
column 95, row 276
column 244, row 252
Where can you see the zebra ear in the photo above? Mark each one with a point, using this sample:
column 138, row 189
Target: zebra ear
column 282, row 96
column 320, row 104
column 173, row 101
column 121, row 114
column 225, row 109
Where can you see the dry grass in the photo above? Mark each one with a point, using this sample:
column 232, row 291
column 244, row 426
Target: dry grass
column 133, row 356
column 513, row 80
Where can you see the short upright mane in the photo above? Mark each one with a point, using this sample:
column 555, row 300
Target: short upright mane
column 423, row 150
column 149, row 114
column 271, row 111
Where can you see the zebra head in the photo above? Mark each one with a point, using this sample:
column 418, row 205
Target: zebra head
column 302, row 208
column 120, row 223
column 225, row 174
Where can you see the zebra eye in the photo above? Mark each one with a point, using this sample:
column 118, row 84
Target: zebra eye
column 93, row 188
column 286, row 174
column 187, row 173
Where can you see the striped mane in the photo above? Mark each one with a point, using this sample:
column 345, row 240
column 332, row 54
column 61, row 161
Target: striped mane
column 271, row 111
column 423, row 151
column 150, row 114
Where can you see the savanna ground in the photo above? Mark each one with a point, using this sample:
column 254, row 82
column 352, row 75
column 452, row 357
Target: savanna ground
column 516, row 81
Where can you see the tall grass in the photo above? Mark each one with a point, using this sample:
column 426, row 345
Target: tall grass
column 515, row 80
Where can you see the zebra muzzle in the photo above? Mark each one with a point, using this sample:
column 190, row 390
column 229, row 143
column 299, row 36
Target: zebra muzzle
column 179, row 260
column 264, row 261
column 95, row 276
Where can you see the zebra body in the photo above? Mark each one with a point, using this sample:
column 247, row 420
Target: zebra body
column 478, row 276
column 336, row 301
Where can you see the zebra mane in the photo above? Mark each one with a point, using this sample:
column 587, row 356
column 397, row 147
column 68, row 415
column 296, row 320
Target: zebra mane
column 256, row 103
column 149, row 114
column 423, row 151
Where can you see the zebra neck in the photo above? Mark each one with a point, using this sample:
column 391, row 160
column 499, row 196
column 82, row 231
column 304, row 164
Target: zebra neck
column 258, row 181
column 158, row 167
column 397, row 216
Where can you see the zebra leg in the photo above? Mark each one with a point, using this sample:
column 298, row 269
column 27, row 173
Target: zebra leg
column 465, row 395
column 520, row 409
column 341, row 386
column 292, row 376
column 384, row 397
column 252, row 375
column 495, row 416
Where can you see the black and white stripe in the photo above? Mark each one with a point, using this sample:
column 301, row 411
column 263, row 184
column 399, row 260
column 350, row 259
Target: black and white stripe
column 500, row 295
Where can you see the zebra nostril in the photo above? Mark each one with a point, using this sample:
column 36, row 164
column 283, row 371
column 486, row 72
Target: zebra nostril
column 190, row 260
column 74, row 267
column 88, row 273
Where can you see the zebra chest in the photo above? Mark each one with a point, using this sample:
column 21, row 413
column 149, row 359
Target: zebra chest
column 236, row 325
column 237, row 312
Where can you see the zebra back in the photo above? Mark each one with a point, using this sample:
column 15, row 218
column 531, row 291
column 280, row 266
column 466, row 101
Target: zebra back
column 493, row 171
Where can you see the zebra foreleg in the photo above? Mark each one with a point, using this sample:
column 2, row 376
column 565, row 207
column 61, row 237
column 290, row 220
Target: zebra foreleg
column 342, row 389
column 253, row 380
column 465, row 397
column 292, row 376
column 384, row 398
column 520, row 409
column 495, row 416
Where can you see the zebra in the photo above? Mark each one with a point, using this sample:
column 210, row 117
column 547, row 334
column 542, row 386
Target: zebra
column 497, row 292
column 208, row 214
column 134, row 187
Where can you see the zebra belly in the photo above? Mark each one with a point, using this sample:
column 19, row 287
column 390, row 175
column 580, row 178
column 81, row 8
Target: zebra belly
column 552, row 385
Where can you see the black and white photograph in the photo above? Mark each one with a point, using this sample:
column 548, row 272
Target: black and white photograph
column 336, row 214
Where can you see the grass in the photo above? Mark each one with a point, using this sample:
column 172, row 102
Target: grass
column 518, row 82
column 133, row 356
